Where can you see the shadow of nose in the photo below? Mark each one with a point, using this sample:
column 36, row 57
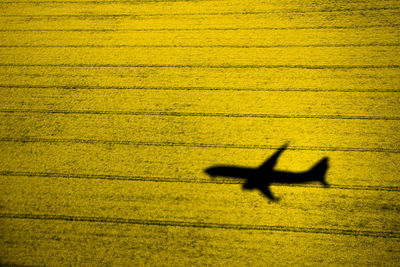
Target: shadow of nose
column 209, row 172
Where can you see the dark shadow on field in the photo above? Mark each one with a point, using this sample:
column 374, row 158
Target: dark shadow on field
column 260, row 178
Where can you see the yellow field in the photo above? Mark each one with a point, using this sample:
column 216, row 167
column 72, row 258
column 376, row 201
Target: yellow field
column 111, row 110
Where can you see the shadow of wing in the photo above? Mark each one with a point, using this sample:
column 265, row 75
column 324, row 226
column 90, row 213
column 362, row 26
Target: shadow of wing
column 269, row 164
column 267, row 192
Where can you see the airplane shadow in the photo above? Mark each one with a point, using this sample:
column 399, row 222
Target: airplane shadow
column 262, row 177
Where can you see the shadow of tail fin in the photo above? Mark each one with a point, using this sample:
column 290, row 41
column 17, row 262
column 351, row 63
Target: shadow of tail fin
column 319, row 170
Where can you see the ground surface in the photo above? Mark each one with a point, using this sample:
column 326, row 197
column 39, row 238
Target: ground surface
column 111, row 110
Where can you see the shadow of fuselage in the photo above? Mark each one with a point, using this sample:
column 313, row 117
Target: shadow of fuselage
column 261, row 177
